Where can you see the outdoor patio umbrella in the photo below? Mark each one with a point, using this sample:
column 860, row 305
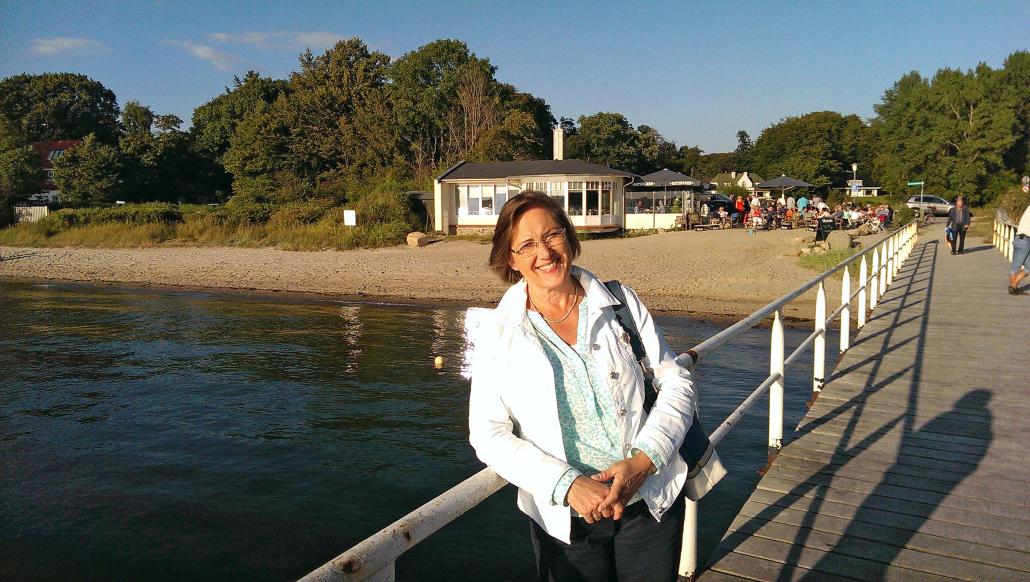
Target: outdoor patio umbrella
column 665, row 178
column 784, row 183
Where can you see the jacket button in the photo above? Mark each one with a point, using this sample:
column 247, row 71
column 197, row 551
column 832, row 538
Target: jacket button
column 595, row 347
column 622, row 412
column 625, row 337
column 614, row 375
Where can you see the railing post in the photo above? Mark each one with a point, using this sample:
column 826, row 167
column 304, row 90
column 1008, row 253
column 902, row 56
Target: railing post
column 890, row 263
column 863, row 274
column 819, row 345
column 688, row 549
column 845, row 314
column 883, row 268
column 994, row 233
column 1010, row 238
column 776, row 390
column 874, row 293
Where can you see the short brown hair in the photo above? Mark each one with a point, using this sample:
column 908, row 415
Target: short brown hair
column 511, row 212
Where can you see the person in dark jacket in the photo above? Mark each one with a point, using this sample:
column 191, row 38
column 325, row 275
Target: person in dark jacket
column 958, row 222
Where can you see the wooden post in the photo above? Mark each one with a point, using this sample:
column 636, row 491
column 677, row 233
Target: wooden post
column 874, row 294
column 819, row 345
column 863, row 275
column 776, row 390
column 845, row 314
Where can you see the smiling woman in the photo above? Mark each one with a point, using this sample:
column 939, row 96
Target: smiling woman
column 557, row 407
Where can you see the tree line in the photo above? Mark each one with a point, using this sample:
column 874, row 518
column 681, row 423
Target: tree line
column 352, row 116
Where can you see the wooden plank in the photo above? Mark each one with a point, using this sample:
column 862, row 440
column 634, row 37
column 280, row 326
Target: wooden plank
column 819, row 561
column 792, row 519
column 817, row 441
column 929, row 490
column 751, row 568
column 848, row 491
column 893, row 473
column 875, row 471
column 910, row 464
column 875, row 551
column 975, row 527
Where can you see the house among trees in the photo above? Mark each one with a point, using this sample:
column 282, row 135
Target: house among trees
column 469, row 195
column 745, row 180
column 49, row 151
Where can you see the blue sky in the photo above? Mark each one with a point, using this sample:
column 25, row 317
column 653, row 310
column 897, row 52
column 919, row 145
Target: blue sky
column 697, row 71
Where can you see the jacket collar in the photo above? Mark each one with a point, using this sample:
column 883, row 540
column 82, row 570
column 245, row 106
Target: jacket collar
column 512, row 307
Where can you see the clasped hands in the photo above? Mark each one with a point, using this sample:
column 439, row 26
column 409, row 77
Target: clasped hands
column 606, row 494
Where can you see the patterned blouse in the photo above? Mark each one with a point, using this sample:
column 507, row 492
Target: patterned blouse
column 587, row 415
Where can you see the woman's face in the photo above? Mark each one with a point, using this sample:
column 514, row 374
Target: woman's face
column 544, row 268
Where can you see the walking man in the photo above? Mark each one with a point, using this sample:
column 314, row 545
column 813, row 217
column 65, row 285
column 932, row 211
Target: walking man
column 958, row 222
column 1020, row 254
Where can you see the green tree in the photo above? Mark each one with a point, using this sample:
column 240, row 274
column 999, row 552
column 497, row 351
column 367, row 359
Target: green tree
column 817, row 148
column 56, row 106
column 607, row 139
column 19, row 166
column 745, row 148
column 423, row 88
column 655, row 152
column 1014, row 78
column 516, row 138
column 87, row 174
column 954, row 132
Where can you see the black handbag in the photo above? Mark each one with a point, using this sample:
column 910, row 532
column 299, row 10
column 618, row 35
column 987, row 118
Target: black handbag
column 704, row 467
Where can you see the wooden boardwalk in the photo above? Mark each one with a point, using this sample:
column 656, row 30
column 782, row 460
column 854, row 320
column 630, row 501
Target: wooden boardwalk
column 911, row 465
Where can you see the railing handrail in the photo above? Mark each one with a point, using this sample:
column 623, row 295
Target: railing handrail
column 718, row 340
column 374, row 558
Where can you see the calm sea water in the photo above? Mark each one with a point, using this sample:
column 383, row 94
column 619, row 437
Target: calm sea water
column 166, row 435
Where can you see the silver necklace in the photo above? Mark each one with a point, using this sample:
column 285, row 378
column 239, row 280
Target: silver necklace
column 567, row 313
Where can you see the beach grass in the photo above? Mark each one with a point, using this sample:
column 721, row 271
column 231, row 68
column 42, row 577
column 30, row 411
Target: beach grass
column 824, row 261
column 309, row 226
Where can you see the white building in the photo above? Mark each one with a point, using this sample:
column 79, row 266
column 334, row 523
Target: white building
column 469, row 195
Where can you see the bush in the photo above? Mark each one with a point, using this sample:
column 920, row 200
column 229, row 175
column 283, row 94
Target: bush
column 299, row 213
column 236, row 214
column 149, row 213
column 903, row 214
column 1012, row 203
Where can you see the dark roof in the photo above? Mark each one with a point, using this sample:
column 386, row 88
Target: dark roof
column 494, row 170
column 783, row 181
column 50, row 150
column 666, row 177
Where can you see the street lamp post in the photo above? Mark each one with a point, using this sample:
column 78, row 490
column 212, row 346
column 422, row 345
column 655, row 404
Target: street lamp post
column 854, row 172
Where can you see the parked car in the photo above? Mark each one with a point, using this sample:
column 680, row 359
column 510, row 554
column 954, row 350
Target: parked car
column 919, row 203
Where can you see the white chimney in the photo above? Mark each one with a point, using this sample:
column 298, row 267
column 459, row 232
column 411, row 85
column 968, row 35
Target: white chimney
column 559, row 143
column 733, row 175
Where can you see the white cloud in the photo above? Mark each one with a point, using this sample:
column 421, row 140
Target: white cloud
column 220, row 60
column 279, row 39
column 65, row 44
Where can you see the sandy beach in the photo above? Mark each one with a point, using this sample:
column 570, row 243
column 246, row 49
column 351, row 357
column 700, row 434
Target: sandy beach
column 719, row 274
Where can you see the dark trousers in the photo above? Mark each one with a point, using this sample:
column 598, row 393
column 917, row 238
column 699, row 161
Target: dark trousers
column 634, row 548
column 958, row 240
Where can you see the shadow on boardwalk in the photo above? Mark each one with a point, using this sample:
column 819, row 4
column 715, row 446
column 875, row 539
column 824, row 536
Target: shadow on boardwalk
column 863, row 550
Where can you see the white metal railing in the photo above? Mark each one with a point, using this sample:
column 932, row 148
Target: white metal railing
column 1004, row 235
column 374, row 558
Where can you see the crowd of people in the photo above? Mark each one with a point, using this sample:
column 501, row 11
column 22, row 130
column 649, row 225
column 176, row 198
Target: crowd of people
column 758, row 214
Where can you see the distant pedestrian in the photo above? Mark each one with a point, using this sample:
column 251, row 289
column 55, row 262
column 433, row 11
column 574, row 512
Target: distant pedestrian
column 1020, row 254
column 802, row 203
column 958, row 222
column 791, row 203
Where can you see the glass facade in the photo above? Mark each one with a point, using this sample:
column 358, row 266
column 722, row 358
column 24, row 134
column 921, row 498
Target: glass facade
column 578, row 198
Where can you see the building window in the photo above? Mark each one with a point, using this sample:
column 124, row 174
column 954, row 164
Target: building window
column 475, row 193
column 500, row 197
column 606, row 197
column 575, row 199
column 54, row 154
column 49, row 174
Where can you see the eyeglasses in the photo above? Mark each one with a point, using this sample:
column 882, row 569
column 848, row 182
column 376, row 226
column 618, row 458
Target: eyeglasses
column 552, row 239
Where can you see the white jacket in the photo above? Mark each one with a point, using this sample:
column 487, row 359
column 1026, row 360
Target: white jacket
column 513, row 413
